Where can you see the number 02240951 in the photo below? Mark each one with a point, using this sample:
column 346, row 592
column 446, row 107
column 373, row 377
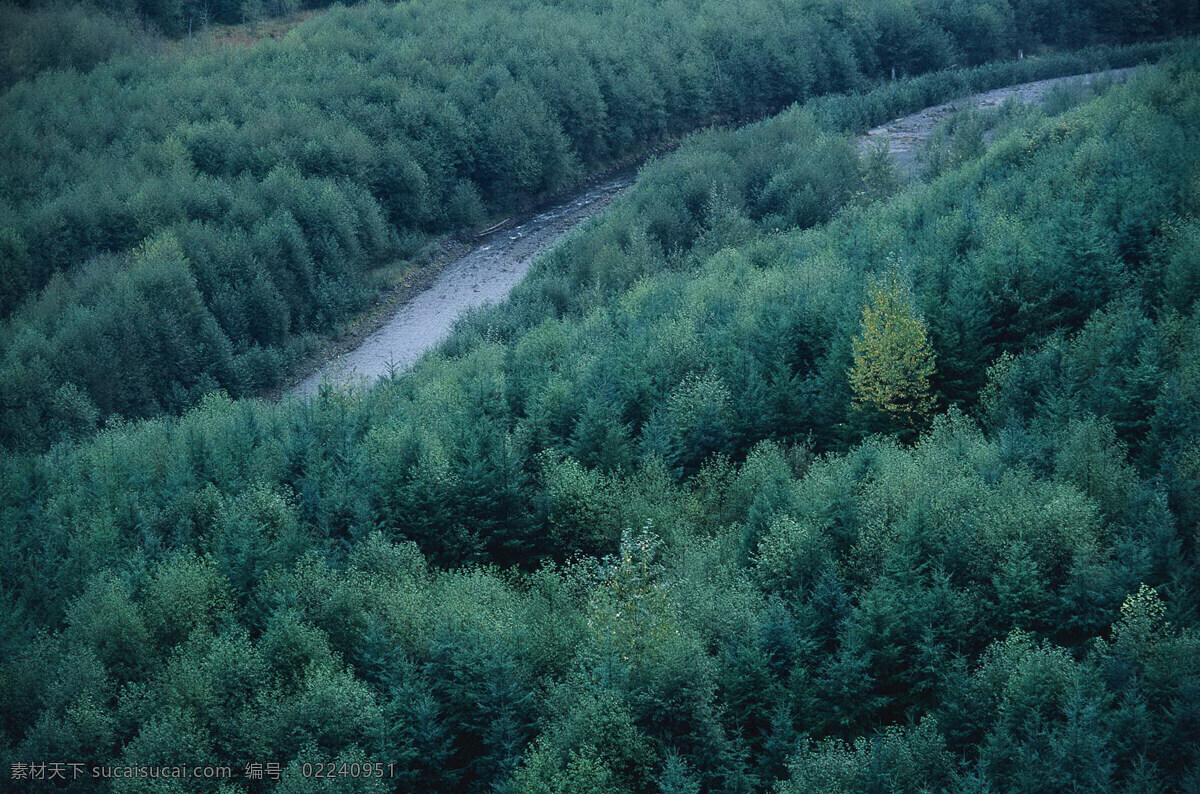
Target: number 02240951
column 332, row 770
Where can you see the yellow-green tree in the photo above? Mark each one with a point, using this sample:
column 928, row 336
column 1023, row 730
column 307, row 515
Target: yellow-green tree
column 892, row 357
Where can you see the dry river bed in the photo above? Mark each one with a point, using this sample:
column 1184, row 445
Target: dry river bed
column 485, row 274
column 904, row 137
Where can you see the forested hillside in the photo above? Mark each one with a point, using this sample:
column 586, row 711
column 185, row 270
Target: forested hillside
column 781, row 476
column 173, row 226
column 1069, row 23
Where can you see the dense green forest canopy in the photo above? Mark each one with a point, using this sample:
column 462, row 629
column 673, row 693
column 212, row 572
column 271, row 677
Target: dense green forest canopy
column 638, row 530
column 172, row 226
column 60, row 36
column 1069, row 22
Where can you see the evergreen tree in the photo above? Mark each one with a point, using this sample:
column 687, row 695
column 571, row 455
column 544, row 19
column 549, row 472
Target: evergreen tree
column 893, row 361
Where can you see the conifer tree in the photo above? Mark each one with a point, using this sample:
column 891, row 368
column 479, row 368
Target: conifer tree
column 893, row 361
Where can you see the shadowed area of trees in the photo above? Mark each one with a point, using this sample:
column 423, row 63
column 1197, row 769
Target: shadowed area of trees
column 635, row 529
column 975, row 30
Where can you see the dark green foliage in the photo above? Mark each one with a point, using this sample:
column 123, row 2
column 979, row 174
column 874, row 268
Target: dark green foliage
column 62, row 34
column 16, row 270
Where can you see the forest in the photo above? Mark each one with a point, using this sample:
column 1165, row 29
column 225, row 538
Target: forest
column 788, row 473
column 785, row 474
column 177, row 225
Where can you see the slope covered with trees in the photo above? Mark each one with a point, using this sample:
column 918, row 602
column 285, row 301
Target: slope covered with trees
column 59, row 35
column 1026, row 23
column 635, row 530
column 254, row 191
